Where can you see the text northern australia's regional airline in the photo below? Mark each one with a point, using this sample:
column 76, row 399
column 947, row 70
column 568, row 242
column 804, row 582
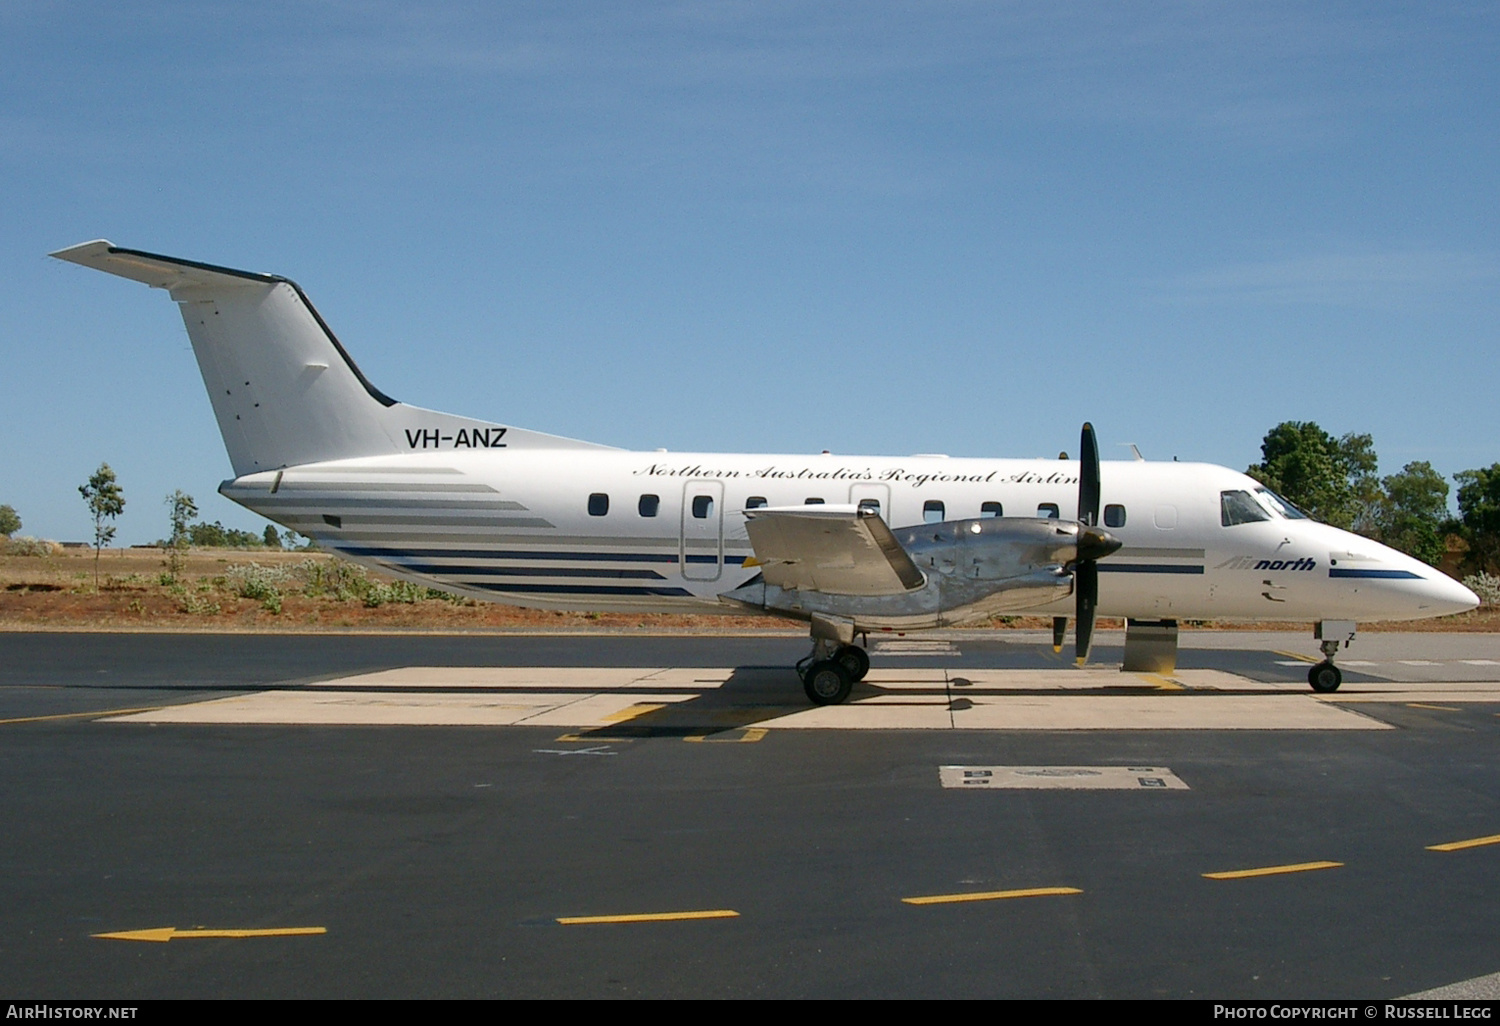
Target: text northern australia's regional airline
column 848, row 545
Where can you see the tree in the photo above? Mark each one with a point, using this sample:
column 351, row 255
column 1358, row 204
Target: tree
column 10, row 521
column 1333, row 479
column 182, row 509
column 1413, row 512
column 105, row 501
column 273, row 539
column 1479, row 510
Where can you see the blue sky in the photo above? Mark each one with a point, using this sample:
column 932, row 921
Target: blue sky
column 867, row 227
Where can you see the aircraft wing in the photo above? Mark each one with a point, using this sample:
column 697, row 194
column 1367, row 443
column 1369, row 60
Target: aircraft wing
column 837, row 550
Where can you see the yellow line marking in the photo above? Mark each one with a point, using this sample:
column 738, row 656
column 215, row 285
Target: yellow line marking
column 752, row 734
column 1030, row 892
column 1439, row 708
column 1296, row 655
column 1477, row 842
column 1165, row 683
column 1299, row 867
column 167, row 933
column 630, row 712
column 649, row 917
column 82, row 715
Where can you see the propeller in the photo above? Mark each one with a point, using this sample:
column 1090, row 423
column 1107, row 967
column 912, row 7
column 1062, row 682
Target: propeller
column 1093, row 545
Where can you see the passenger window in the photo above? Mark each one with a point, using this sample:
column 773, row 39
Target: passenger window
column 755, row 502
column 598, row 504
column 873, row 505
column 703, row 506
column 932, row 512
column 1240, row 508
column 1049, row 510
column 812, row 502
column 1114, row 516
column 649, row 505
column 991, row 509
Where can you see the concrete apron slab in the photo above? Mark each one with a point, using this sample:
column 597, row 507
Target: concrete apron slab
column 651, row 701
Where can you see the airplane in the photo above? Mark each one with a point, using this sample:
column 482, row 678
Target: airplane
column 846, row 544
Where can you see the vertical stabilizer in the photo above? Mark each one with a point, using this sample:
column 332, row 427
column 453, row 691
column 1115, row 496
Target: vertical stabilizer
column 283, row 389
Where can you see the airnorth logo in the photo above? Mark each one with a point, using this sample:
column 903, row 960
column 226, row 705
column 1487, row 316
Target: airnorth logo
column 1251, row 563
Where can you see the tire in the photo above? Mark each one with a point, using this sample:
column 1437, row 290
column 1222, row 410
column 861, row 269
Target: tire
column 826, row 682
column 854, row 660
column 1325, row 678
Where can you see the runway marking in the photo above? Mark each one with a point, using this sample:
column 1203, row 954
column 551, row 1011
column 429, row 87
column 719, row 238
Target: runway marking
column 1298, row 867
column 748, row 735
column 1294, row 655
column 167, row 933
column 1417, row 662
column 1439, row 708
column 915, row 648
column 648, row 917
column 81, row 715
column 1480, row 662
column 595, row 750
column 1476, row 842
column 951, row 899
column 1055, row 778
column 603, row 704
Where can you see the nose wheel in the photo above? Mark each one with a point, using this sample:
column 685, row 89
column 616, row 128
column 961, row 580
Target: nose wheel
column 1325, row 678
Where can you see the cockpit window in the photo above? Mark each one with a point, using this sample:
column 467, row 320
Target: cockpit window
column 1240, row 508
column 1279, row 504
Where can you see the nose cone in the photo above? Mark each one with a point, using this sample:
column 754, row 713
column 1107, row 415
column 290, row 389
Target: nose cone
column 1096, row 544
column 1447, row 596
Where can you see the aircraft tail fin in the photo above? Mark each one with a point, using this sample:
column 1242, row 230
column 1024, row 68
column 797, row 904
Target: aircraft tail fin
column 283, row 388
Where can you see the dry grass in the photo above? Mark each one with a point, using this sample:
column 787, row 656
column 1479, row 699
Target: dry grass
column 56, row 592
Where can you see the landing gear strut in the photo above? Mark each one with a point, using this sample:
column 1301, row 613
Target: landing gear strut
column 832, row 670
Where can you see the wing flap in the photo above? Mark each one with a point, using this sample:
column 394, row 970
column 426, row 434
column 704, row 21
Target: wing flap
column 837, row 550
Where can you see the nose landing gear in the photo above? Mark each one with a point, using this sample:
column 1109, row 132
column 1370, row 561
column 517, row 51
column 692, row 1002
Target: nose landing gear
column 1332, row 635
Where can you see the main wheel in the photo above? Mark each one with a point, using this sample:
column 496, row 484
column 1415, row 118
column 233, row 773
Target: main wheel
column 827, row 682
column 1325, row 677
column 854, row 660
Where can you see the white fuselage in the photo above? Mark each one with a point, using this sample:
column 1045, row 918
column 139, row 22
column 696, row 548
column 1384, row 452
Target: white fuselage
column 605, row 529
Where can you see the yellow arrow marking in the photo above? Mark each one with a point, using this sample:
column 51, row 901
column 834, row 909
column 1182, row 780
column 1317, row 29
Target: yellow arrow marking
column 1298, row 867
column 649, row 917
column 630, row 712
column 1477, row 842
column 80, row 715
column 1030, row 892
column 166, row 933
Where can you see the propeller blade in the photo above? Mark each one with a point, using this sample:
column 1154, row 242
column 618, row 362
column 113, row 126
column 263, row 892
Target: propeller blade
column 1086, row 588
column 1092, row 543
column 1088, row 477
column 1059, row 630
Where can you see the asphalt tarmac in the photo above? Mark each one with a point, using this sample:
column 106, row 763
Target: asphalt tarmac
column 750, row 856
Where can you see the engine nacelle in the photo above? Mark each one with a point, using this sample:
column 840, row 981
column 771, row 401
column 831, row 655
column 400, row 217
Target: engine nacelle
column 972, row 568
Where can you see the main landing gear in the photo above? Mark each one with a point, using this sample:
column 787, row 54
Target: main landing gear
column 1324, row 677
column 831, row 671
